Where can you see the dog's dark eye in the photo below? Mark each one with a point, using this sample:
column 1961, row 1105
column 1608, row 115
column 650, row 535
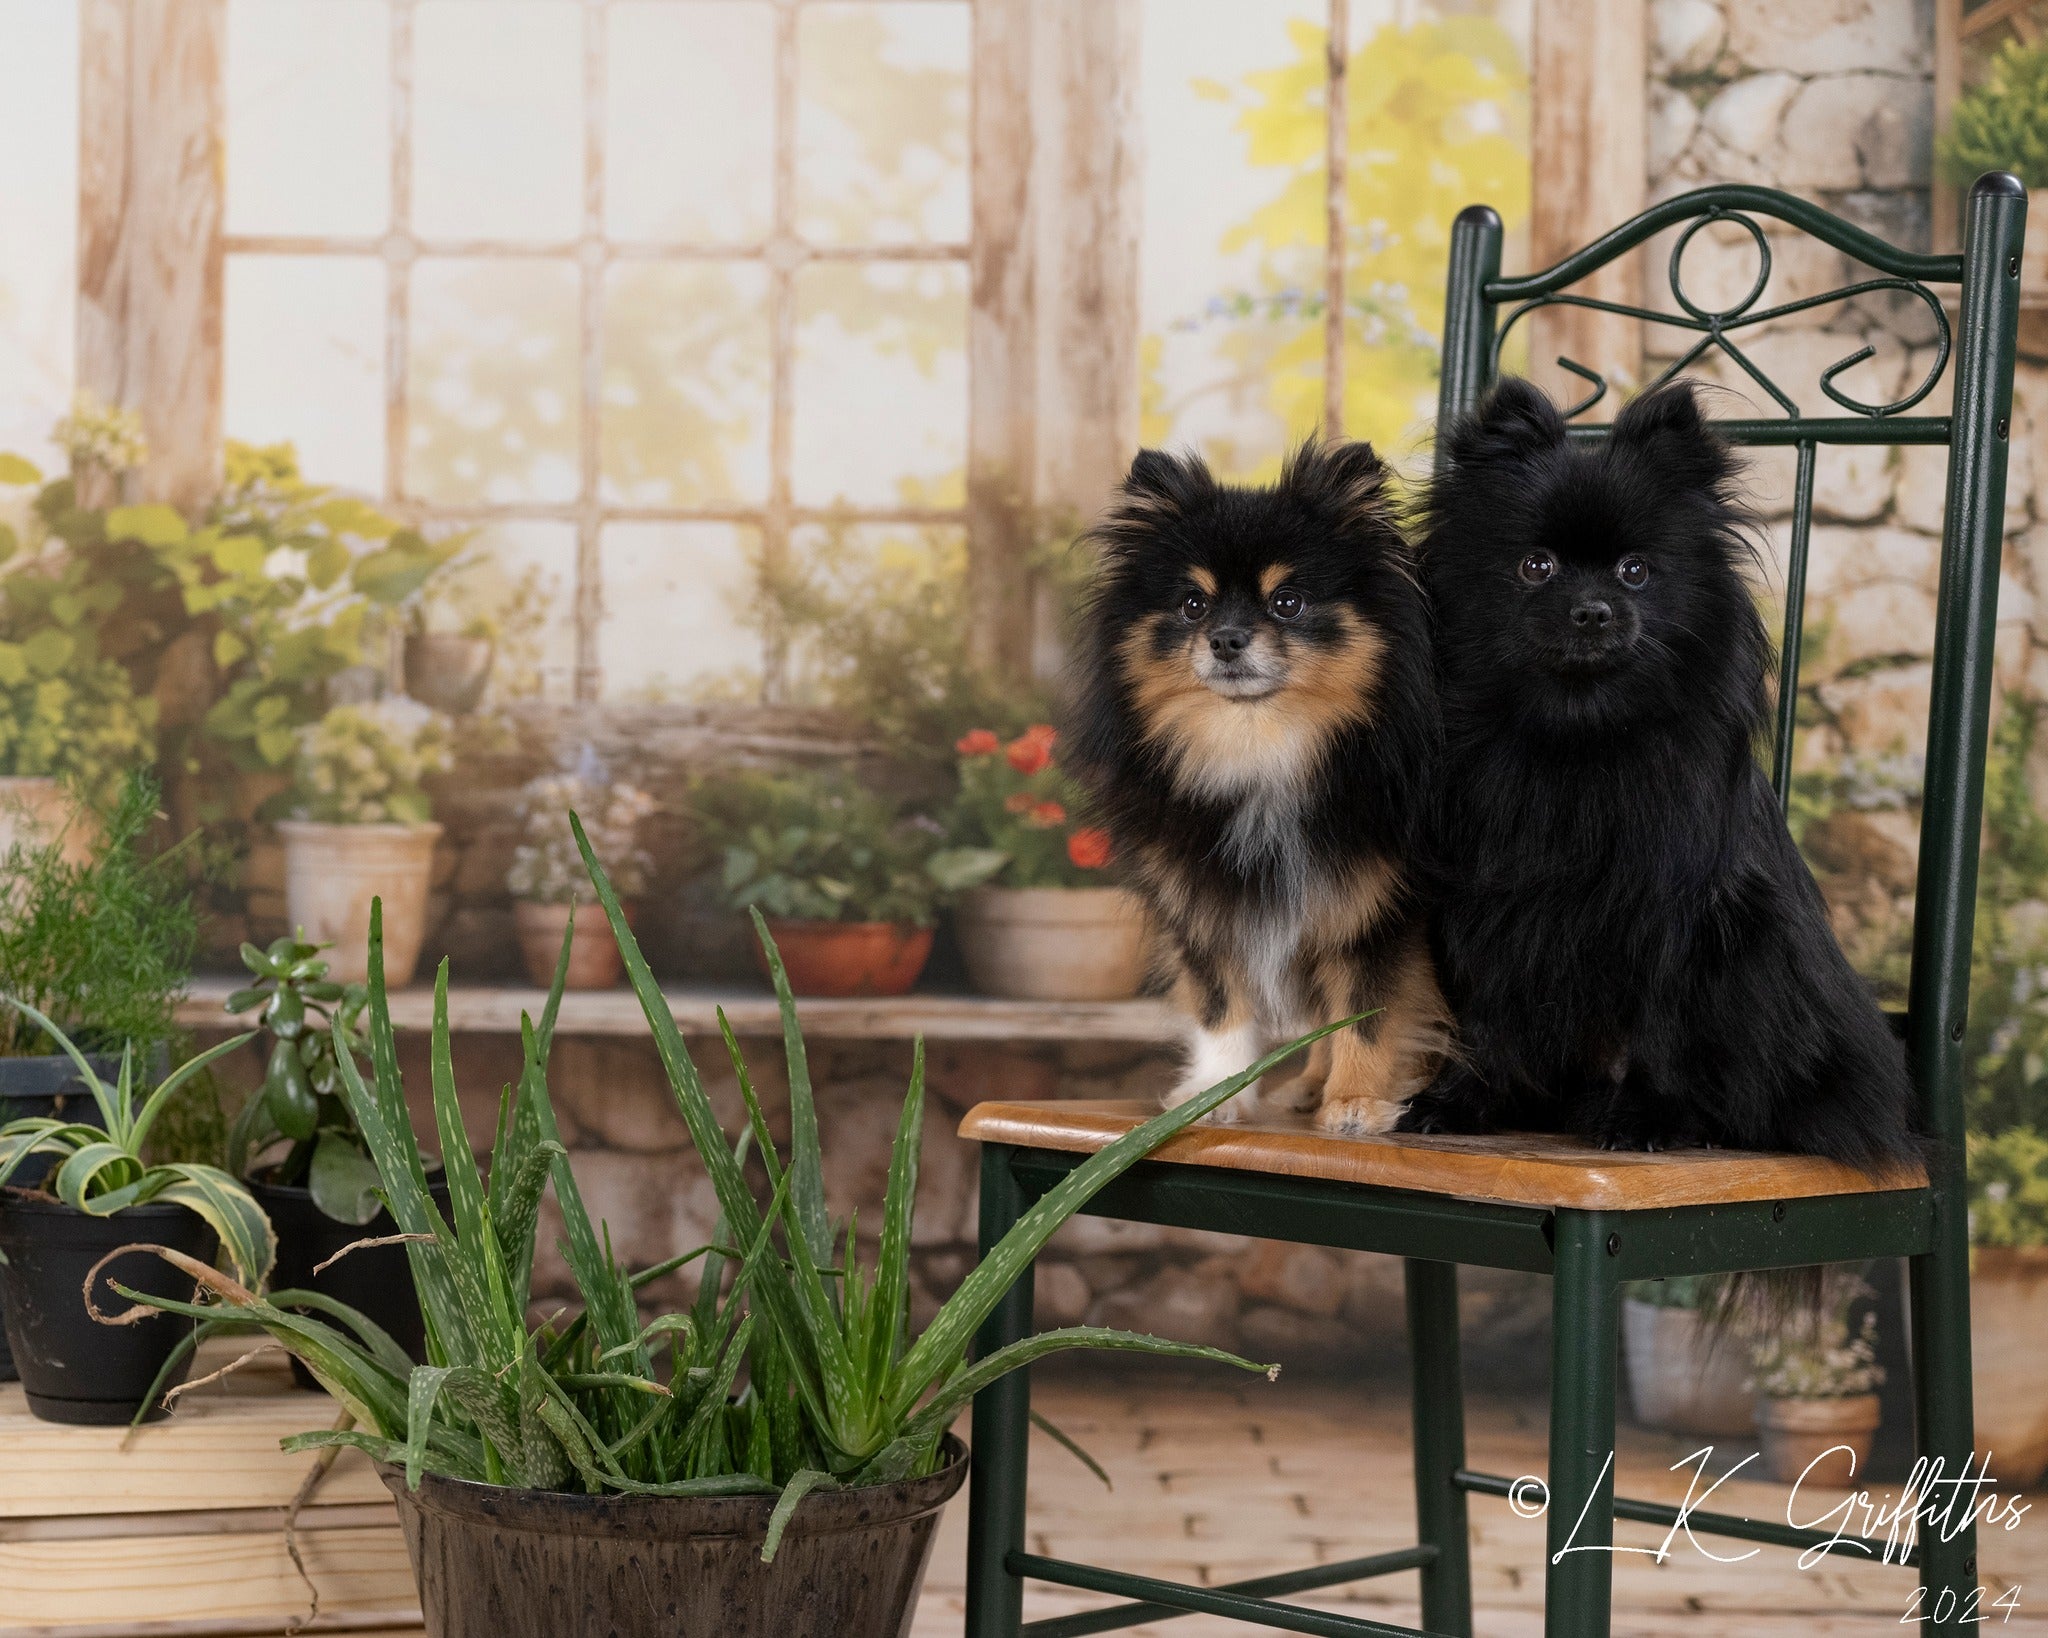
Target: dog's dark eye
column 1194, row 607
column 1633, row 573
column 1287, row 605
column 1536, row 568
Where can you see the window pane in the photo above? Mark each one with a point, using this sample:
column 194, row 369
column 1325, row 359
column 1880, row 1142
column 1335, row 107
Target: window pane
column 881, row 384
column 498, row 119
column 38, row 269
column 309, row 116
column 686, row 383
column 882, row 123
column 542, row 660
column 690, row 120
column 305, row 362
column 675, row 600
column 493, row 395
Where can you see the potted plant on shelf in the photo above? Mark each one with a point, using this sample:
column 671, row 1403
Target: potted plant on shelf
column 62, row 1242
column 363, row 829
column 770, row 1462
column 1687, row 1369
column 1816, row 1379
column 102, row 944
column 2001, row 124
column 1048, row 926
column 301, row 1154
column 2009, row 1301
column 850, row 886
column 547, row 879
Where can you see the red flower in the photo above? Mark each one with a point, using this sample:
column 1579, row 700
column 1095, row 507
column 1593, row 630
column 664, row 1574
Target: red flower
column 1089, row 848
column 1018, row 802
column 1047, row 814
column 977, row 742
column 1031, row 751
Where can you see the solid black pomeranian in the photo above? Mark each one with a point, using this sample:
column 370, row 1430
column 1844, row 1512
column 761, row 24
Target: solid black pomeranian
column 1632, row 947
column 1255, row 718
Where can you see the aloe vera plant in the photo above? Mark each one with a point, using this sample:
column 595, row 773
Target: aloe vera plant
column 798, row 1372
column 100, row 1169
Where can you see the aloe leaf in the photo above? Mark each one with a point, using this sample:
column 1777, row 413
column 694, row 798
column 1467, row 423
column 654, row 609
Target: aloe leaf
column 951, row 1332
column 806, row 1159
column 1071, row 1446
column 799, row 1486
column 472, row 1263
column 889, row 1310
column 421, row 1391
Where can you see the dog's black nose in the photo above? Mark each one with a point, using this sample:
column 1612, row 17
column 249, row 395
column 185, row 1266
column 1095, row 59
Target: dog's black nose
column 1593, row 615
column 1228, row 642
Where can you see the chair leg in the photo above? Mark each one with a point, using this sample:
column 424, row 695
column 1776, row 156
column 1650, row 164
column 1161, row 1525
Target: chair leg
column 1002, row 1429
column 1439, row 1398
column 1585, row 1312
column 1944, row 1414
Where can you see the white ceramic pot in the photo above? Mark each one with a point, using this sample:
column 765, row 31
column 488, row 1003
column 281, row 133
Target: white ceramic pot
column 2008, row 1325
column 332, row 872
column 1053, row 943
column 1805, row 1438
column 1678, row 1379
column 34, row 812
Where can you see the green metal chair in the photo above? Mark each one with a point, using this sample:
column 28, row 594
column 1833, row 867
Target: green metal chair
column 1591, row 1220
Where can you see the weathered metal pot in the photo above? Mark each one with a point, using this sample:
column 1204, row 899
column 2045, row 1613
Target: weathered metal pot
column 1053, row 943
column 1679, row 1379
column 2008, row 1324
column 448, row 671
column 494, row 1562
column 1826, row 1442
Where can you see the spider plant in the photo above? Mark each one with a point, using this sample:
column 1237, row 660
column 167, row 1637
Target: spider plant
column 100, row 1168
column 798, row 1373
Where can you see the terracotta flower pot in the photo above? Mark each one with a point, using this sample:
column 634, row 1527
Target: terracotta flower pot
column 849, row 957
column 332, row 872
column 495, row 1562
column 1804, row 1437
column 594, row 962
column 1678, row 1379
column 35, row 812
column 2008, row 1322
column 447, row 671
column 1053, row 943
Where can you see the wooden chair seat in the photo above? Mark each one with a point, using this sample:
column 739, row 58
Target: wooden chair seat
column 1521, row 1169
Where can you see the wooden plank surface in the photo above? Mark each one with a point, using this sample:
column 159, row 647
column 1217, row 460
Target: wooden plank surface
column 492, row 1009
column 1523, row 1169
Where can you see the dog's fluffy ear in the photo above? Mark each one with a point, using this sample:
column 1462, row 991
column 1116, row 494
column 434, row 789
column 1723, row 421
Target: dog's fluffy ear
column 1517, row 420
column 1665, row 427
column 1162, row 484
column 1347, row 481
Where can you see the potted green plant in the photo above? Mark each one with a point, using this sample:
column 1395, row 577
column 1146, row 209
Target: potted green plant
column 1686, row 1371
column 2001, row 124
column 849, row 884
column 1048, row 926
column 547, row 880
column 2009, row 1300
column 102, row 943
column 769, row 1462
column 363, row 829
column 1816, row 1377
column 100, row 1197
column 300, row 1153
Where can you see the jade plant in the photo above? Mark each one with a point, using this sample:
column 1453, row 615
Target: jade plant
column 839, row 1388
column 311, row 1021
column 101, row 1167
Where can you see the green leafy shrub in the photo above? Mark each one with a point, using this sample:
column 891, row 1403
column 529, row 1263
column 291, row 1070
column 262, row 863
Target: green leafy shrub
column 104, row 946
column 838, row 1390
column 69, row 714
column 368, row 764
column 2002, row 124
column 817, row 846
column 2009, row 1188
column 101, row 1169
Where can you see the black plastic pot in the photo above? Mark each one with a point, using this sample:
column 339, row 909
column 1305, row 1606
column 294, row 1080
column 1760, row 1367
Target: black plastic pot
column 73, row 1368
column 377, row 1279
column 495, row 1562
column 44, row 1088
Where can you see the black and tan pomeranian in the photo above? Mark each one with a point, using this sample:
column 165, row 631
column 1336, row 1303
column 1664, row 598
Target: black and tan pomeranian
column 1631, row 944
column 1255, row 719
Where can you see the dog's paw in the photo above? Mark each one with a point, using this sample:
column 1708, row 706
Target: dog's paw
column 1300, row 1096
column 1357, row 1117
column 1227, row 1113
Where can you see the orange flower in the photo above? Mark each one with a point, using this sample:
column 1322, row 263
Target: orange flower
column 1018, row 802
column 1047, row 814
column 1031, row 751
column 977, row 742
column 1089, row 848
